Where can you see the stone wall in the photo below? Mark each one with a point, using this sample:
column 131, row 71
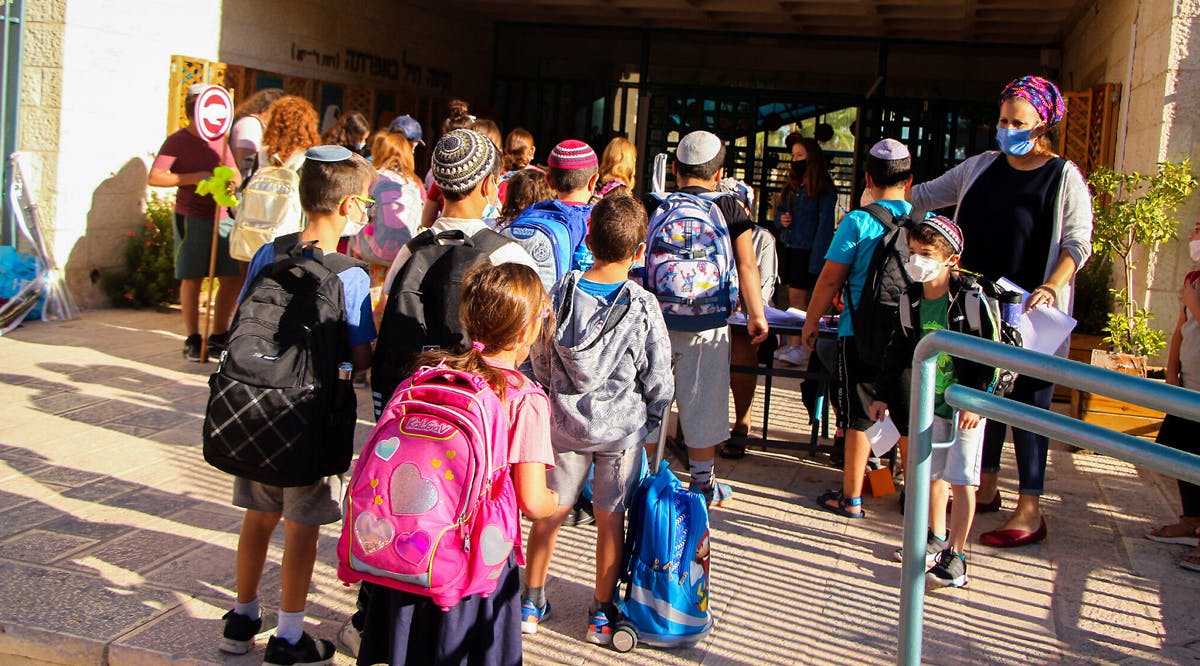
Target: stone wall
column 95, row 91
column 1163, row 98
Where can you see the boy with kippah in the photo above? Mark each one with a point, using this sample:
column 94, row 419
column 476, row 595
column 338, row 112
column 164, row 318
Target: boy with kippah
column 847, row 264
column 608, row 374
column 572, row 175
column 938, row 299
column 333, row 192
column 702, row 349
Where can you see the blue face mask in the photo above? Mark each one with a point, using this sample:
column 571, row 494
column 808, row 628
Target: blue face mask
column 1014, row 141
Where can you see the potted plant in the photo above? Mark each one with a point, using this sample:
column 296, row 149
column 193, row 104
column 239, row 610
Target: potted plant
column 1132, row 211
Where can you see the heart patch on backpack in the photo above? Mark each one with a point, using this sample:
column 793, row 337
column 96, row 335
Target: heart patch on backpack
column 494, row 547
column 411, row 494
column 372, row 533
column 413, row 547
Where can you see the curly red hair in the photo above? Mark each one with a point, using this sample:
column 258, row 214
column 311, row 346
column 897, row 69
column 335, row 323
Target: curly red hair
column 293, row 127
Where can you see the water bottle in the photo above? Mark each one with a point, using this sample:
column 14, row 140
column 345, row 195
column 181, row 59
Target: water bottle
column 1010, row 308
column 344, row 391
column 582, row 259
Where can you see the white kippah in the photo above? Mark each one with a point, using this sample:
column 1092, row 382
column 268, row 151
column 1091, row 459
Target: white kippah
column 698, row 148
column 890, row 149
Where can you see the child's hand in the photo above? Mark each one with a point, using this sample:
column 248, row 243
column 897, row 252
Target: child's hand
column 967, row 420
column 810, row 332
column 877, row 410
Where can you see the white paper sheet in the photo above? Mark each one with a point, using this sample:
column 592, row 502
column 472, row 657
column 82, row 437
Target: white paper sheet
column 1043, row 329
column 883, row 435
column 791, row 317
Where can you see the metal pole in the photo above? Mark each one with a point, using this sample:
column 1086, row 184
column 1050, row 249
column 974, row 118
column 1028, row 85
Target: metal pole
column 916, row 511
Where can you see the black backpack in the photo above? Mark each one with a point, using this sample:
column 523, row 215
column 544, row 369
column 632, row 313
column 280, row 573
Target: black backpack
column 422, row 306
column 984, row 300
column 277, row 411
column 875, row 313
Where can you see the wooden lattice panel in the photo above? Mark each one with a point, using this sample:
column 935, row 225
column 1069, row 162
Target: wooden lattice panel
column 1076, row 128
column 1102, row 139
column 232, row 77
column 360, row 99
column 184, row 72
column 301, row 87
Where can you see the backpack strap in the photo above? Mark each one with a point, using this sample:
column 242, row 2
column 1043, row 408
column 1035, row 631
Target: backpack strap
column 882, row 214
column 906, row 321
column 974, row 307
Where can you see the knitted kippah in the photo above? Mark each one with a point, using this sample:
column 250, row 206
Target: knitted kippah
column 572, row 154
column 462, row 159
column 948, row 229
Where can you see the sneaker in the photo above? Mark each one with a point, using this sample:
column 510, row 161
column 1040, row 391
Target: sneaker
column 933, row 546
column 581, row 514
column 797, row 356
column 950, row 569
column 240, row 630
column 306, row 652
column 350, row 638
column 532, row 616
column 600, row 629
column 191, row 348
column 217, row 343
column 715, row 494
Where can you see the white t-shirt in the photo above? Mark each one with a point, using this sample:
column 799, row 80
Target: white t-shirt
column 247, row 134
column 509, row 253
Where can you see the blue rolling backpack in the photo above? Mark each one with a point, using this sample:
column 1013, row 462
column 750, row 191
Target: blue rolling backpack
column 664, row 570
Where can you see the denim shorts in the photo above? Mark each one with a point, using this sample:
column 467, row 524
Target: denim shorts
column 957, row 464
column 616, row 477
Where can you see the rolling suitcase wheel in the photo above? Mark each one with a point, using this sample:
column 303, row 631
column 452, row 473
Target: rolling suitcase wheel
column 624, row 638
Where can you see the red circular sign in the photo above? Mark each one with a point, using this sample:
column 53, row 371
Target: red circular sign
column 213, row 112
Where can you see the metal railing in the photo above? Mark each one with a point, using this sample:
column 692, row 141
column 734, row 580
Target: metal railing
column 1165, row 460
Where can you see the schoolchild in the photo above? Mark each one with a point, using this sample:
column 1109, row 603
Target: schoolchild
column 466, row 169
column 572, row 175
column 847, row 263
column 525, row 188
column 608, row 371
column 184, row 160
column 503, row 309
column 702, row 356
column 333, row 192
column 1183, row 369
column 938, row 299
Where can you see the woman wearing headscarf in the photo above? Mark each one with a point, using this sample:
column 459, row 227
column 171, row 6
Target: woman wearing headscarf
column 1028, row 214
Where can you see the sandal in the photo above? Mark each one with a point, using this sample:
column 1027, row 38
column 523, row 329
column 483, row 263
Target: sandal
column 1190, row 562
column 733, row 450
column 1182, row 534
column 834, row 502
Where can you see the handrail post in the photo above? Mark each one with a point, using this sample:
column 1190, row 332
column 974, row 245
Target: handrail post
column 1171, row 399
column 916, row 509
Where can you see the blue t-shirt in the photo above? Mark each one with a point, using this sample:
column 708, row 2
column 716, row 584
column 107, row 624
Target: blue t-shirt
column 356, row 287
column 602, row 290
column 853, row 244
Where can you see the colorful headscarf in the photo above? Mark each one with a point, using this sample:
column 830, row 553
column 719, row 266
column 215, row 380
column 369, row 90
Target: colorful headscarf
column 1041, row 93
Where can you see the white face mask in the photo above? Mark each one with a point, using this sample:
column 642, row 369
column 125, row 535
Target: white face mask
column 1194, row 249
column 352, row 226
column 921, row 268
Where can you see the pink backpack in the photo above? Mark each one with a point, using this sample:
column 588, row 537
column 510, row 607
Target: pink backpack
column 396, row 220
column 430, row 508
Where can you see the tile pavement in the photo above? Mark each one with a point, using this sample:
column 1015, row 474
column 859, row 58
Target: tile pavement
column 117, row 541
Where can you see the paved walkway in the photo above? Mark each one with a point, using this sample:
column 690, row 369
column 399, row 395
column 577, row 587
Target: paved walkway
column 117, row 541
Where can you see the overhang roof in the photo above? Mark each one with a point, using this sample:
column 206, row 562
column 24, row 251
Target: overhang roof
column 1033, row 22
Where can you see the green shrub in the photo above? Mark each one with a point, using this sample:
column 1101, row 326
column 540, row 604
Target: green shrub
column 148, row 279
